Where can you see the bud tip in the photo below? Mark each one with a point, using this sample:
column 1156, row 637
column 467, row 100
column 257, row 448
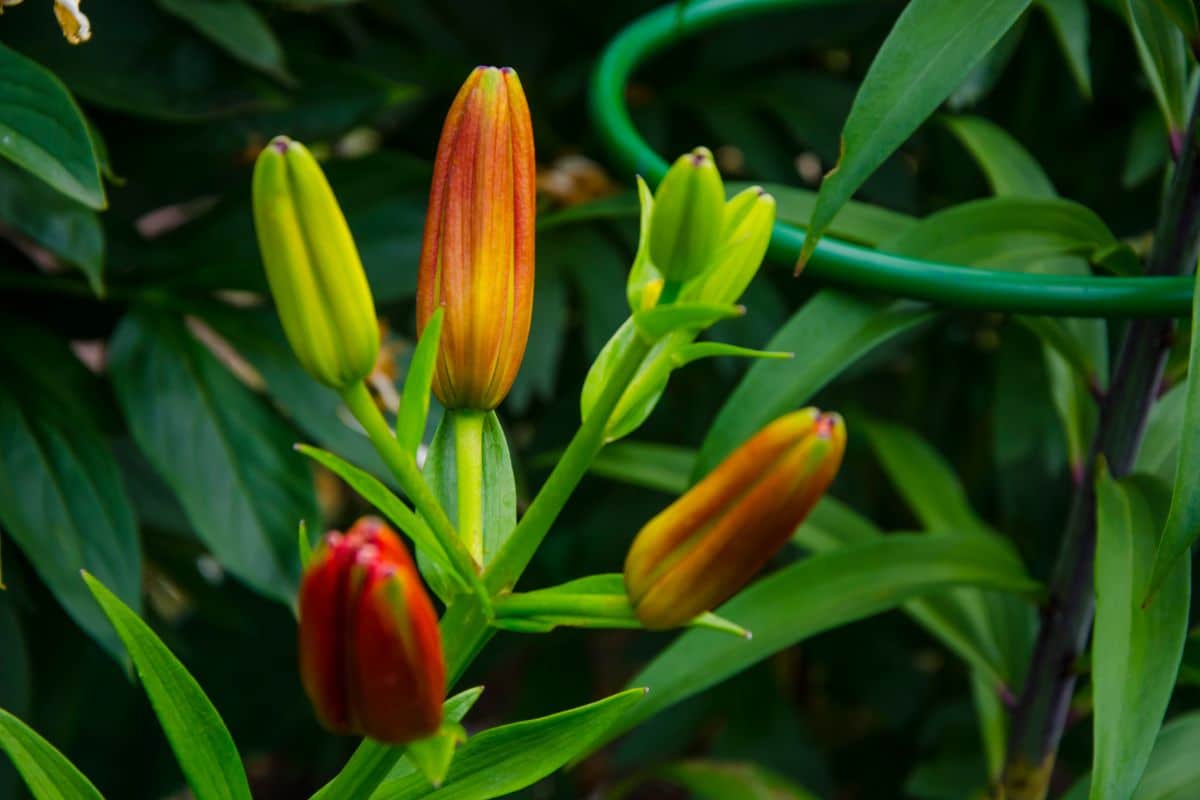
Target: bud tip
column 281, row 143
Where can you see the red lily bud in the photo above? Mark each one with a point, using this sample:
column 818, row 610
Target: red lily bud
column 370, row 652
column 477, row 256
column 706, row 545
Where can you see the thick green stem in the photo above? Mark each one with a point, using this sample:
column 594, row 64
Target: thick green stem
column 576, row 459
column 402, row 464
column 468, row 462
column 1043, row 706
column 543, row 604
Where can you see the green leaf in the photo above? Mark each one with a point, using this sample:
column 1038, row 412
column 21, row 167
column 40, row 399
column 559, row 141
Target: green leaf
column 1183, row 523
column 414, row 405
column 855, row 222
column 43, row 130
column 933, row 46
column 647, row 386
column 926, row 482
column 316, row 409
column 47, row 772
column 1183, row 14
column 1016, row 233
column 202, row 745
column 730, row 780
column 698, row 350
column 832, row 331
column 1147, row 153
column 662, row 320
column 664, row 467
column 374, row 492
column 1159, row 453
column 1164, row 56
column 70, row 231
column 821, row 593
column 1069, row 20
column 509, row 758
column 1136, row 650
column 1173, row 772
column 1009, row 167
column 499, row 487
column 499, row 490
column 372, row 761
column 432, row 756
column 237, row 28
column 990, row 631
column 62, row 499
column 240, row 484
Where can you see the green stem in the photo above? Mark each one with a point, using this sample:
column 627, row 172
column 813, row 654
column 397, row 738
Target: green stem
column 516, row 553
column 402, row 464
column 468, row 463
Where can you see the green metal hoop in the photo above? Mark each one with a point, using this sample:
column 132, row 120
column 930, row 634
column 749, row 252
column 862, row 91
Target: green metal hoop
column 849, row 265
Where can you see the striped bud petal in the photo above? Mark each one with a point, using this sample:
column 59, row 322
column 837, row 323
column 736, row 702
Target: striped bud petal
column 711, row 541
column 316, row 277
column 477, row 255
column 370, row 652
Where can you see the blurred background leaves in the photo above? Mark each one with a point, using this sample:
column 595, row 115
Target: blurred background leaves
column 149, row 404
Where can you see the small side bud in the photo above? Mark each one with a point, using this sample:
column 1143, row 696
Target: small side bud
column 316, row 277
column 710, row 542
column 745, row 235
column 685, row 227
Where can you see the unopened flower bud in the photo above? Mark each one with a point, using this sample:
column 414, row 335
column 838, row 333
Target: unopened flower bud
column 477, row 255
column 745, row 235
column 706, row 545
column 685, row 227
column 370, row 652
column 316, row 277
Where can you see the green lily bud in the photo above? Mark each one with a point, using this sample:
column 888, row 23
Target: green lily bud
column 685, row 227
column 316, row 277
column 749, row 216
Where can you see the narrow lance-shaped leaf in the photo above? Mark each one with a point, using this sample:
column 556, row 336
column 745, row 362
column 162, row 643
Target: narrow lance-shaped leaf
column 1136, row 650
column 832, row 330
column 414, row 404
column 1163, row 54
column 201, row 743
column 47, row 773
column 820, row 593
column 1183, row 522
column 932, row 47
column 372, row 762
column 379, row 496
column 1009, row 168
column 1173, row 772
column 503, row 760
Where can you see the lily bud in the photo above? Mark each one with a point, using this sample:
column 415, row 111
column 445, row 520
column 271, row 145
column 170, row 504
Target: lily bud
column 745, row 235
column 706, row 545
column 477, row 255
column 316, row 277
column 370, row 652
column 685, row 226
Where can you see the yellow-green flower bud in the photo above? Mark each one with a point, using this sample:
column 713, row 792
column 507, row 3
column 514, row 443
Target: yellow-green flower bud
column 685, row 226
column 746, row 232
column 316, row 277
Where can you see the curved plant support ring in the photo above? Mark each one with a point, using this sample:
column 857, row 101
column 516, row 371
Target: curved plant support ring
column 850, row 265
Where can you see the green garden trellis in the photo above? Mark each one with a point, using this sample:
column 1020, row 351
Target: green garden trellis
column 850, row 265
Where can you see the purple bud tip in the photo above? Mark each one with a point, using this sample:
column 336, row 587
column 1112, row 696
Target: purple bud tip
column 508, row 70
column 824, row 426
column 698, row 159
column 281, row 143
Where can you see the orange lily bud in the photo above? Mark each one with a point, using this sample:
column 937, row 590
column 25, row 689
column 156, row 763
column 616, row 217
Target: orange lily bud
column 370, row 652
column 477, row 256
column 706, row 545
